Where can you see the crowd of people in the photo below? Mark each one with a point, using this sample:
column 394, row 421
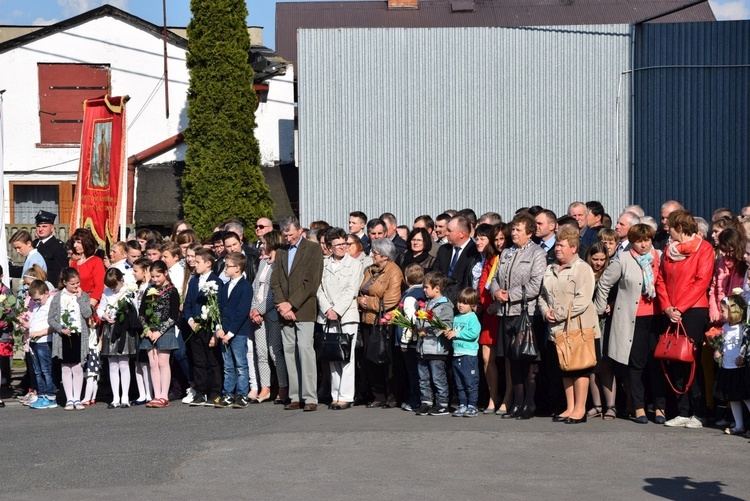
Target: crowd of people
column 456, row 315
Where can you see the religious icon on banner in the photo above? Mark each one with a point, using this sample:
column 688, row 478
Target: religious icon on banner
column 100, row 157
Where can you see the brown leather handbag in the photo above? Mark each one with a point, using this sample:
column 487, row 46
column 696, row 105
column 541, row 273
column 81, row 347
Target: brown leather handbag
column 575, row 348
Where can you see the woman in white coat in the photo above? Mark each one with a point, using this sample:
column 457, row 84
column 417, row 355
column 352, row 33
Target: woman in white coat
column 633, row 335
column 337, row 305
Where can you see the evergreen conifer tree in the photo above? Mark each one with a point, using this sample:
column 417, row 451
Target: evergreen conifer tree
column 222, row 176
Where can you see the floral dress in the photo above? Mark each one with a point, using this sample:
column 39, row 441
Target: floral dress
column 159, row 310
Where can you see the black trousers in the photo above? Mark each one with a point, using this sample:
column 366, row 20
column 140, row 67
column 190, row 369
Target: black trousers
column 642, row 365
column 692, row 403
column 207, row 364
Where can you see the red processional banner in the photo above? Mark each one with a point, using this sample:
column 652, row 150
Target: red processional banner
column 98, row 200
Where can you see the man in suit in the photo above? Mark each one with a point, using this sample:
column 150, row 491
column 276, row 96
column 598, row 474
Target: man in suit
column 546, row 227
column 594, row 215
column 626, row 221
column 390, row 231
column 662, row 239
column 232, row 244
column 375, row 229
column 235, row 299
column 357, row 225
column 49, row 246
column 456, row 259
column 262, row 226
column 294, row 282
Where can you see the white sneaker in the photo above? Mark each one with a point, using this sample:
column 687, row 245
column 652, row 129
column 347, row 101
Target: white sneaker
column 678, row 422
column 694, row 423
column 191, row 393
column 29, row 399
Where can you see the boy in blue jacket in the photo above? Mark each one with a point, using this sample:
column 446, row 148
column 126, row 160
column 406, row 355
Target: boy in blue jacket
column 206, row 358
column 465, row 336
column 235, row 299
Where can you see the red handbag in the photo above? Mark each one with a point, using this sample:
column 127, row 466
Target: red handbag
column 676, row 346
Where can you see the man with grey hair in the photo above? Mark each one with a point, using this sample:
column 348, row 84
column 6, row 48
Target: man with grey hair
column 626, row 221
column 635, row 209
column 492, row 218
column 650, row 221
column 294, row 282
column 702, row 227
column 661, row 239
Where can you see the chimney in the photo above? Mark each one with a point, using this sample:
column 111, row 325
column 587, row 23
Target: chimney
column 403, row 4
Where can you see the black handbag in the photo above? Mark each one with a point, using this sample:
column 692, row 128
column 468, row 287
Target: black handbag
column 335, row 345
column 523, row 344
column 379, row 344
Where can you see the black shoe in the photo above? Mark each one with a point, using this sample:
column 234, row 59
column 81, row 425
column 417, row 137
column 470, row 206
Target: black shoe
column 423, row 410
column 439, row 410
column 513, row 413
column 576, row 421
column 224, row 401
column 525, row 413
column 199, row 400
column 174, row 396
column 559, row 419
column 240, row 402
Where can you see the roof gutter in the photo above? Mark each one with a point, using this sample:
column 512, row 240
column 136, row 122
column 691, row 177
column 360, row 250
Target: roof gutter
column 143, row 156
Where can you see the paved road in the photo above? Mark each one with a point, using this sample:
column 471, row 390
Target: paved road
column 264, row 452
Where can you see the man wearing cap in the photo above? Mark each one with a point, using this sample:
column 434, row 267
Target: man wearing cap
column 50, row 247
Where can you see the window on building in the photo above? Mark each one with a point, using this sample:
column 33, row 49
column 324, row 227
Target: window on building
column 28, row 199
column 62, row 90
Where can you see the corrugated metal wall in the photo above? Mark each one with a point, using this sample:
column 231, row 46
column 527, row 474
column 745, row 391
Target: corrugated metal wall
column 415, row 121
column 692, row 115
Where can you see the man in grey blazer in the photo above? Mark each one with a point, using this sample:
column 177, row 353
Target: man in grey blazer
column 294, row 282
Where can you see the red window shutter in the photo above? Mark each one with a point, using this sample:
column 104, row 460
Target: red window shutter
column 62, row 90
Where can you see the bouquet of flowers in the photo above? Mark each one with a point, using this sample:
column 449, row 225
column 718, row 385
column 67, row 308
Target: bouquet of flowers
column 11, row 309
column 210, row 315
column 123, row 304
column 152, row 318
column 68, row 320
column 399, row 318
column 715, row 339
column 436, row 323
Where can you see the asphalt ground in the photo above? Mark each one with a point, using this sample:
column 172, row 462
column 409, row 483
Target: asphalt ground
column 264, row 452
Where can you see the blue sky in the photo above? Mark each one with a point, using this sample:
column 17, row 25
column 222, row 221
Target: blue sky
column 262, row 12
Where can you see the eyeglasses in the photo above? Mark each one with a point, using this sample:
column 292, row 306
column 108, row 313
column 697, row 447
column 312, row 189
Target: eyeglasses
column 414, row 240
column 260, row 227
column 344, row 244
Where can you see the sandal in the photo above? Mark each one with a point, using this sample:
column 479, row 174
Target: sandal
column 610, row 414
column 594, row 412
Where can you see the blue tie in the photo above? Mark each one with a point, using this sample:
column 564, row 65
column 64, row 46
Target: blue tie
column 456, row 251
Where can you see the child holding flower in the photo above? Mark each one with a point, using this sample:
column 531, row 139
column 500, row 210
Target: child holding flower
column 119, row 333
column 410, row 303
column 733, row 379
column 433, row 347
column 206, row 356
column 69, row 311
column 142, row 277
column 158, row 314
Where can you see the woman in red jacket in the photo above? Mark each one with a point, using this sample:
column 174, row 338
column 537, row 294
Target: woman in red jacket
column 684, row 277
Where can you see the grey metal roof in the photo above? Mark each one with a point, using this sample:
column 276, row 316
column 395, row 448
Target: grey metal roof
column 290, row 16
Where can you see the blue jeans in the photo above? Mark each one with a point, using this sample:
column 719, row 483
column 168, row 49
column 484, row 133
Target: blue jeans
column 466, row 374
column 235, row 366
column 42, row 359
column 433, row 372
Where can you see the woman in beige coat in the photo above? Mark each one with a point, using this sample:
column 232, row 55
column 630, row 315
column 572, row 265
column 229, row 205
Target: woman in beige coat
column 337, row 307
column 633, row 335
column 567, row 289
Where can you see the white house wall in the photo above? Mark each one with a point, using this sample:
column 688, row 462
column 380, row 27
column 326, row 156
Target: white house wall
column 416, row 121
column 136, row 64
column 275, row 121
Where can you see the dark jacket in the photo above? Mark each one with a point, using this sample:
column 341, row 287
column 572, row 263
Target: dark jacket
column 235, row 309
column 461, row 272
column 195, row 299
